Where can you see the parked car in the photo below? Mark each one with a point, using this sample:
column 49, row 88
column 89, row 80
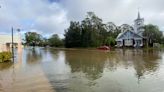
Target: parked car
column 104, row 47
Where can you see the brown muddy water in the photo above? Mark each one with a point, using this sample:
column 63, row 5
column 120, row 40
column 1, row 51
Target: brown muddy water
column 50, row 70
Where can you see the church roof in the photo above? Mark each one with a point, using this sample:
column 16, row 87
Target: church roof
column 128, row 35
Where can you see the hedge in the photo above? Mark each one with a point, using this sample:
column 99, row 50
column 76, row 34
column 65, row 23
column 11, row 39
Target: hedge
column 5, row 56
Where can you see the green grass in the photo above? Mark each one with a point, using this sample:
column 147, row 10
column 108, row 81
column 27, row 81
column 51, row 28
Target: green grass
column 5, row 56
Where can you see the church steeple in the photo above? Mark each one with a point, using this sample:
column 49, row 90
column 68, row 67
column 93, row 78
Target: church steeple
column 138, row 15
column 138, row 23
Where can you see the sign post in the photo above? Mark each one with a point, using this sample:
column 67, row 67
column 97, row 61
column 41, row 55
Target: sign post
column 12, row 43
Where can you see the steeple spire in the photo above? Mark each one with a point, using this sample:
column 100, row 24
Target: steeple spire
column 138, row 14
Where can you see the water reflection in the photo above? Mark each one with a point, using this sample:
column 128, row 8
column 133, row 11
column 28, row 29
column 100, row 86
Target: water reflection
column 143, row 61
column 34, row 55
column 89, row 62
column 97, row 69
column 92, row 63
column 84, row 71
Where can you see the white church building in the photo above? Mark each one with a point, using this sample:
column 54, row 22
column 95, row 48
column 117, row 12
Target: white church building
column 132, row 37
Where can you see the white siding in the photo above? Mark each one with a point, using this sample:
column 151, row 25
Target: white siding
column 8, row 39
column 4, row 39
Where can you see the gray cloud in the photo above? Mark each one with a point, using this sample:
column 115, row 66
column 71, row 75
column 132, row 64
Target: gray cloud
column 53, row 17
column 29, row 15
column 118, row 11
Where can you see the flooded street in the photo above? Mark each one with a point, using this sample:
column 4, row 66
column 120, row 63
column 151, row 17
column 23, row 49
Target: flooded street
column 51, row 70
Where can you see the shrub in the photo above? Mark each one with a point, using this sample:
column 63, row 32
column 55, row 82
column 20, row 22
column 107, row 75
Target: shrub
column 110, row 41
column 5, row 56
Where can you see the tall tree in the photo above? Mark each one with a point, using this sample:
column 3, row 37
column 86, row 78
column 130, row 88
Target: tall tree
column 55, row 41
column 152, row 34
column 33, row 39
column 73, row 35
column 91, row 32
column 112, row 33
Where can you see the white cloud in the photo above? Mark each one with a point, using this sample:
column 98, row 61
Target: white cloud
column 53, row 17
column 117, row 11
column 38, row 15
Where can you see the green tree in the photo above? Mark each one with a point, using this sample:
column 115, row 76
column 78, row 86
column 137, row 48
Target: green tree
column 44, row 42
column 73, row 35
column 55, row 41
column 96, row 30
column 112, row 33
column 90, row 32
column 33, row 39
column 152, row 34
column 110, row 41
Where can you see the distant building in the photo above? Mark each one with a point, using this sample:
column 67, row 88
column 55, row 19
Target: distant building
column 6, row 42
column 132, row 37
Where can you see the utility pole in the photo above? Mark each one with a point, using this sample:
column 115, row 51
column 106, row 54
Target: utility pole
column 12, row 44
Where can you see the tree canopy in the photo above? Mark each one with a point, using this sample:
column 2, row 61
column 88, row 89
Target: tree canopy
column 152, row 34
column 55, row 41
column 33, row 39
column 90, row 32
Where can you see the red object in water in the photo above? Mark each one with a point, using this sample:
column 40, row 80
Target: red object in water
column 104, row 48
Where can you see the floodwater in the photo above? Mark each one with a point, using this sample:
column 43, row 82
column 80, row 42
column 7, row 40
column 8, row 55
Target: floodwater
column 73, row 70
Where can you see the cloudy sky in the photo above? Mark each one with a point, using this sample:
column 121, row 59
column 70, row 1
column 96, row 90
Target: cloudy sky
column 53, row 16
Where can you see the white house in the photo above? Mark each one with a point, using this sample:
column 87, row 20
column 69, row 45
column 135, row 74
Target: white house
column 132, row 37
column 6, row 42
